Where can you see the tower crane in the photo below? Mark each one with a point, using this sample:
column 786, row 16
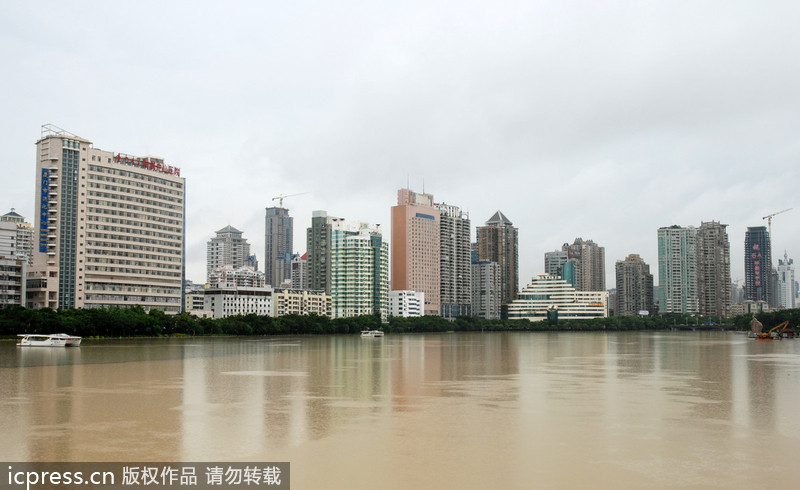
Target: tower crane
column 281, row 197
column 769, row 220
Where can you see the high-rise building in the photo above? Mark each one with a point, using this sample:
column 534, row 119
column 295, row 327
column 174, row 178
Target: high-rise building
column 590, row 264
column 278, row 238
column 300, row 272
column 713, row 269
column 8, row 239
column 486, row 289
column 677, row 270
column 416, row 247
column 786, row 297
column 227, row 248
column 456, row 261
column 13, row 282
column 634, row 292
column 554, row 262
column 359, row 270
column 24, row 235
column 757, row 265
column 498, row 242
column 110, row 228
column 318, row 243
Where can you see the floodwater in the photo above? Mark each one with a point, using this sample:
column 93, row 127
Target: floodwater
column 460, row 411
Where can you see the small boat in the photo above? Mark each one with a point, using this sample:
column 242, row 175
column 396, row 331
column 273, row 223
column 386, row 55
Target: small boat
column 371, row 333
column 56, row 340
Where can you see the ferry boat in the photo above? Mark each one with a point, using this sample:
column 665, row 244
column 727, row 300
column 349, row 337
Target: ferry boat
column 55, row 340
column 371, row 333
column 72, row 340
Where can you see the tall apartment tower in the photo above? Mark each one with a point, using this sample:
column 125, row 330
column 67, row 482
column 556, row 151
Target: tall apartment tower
column 713, row 269
column 110, row 228
column 757, row 265
column 590, row 266
column 486, row 289
column 455, row 260
column 227, row 248
column 24, row 235
column 318, row 246
column 498, row 242
column 300, row 272
column 278, row 240
column 554, row 262
column 634, row 287
column 416, row 247
column 677, row 270
column 359, row 270
column 786, row 293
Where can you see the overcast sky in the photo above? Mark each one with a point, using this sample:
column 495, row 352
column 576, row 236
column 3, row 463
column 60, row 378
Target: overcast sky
column 595, row 119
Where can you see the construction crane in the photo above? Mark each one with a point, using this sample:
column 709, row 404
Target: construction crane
column 281, row 197
column 769, row 220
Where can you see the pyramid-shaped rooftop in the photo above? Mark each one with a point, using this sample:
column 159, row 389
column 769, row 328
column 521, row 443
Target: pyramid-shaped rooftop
column 499, row 218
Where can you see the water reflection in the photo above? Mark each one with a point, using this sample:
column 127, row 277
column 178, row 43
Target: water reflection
column 636, row 408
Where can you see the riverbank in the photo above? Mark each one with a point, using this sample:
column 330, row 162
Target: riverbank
column 135, row 322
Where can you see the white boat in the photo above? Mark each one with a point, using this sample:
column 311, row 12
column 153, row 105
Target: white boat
column 56, row 340
column 371, row 333
column 72, row 340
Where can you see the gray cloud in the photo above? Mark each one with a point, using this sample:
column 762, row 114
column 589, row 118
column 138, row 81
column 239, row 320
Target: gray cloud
column 603, row 120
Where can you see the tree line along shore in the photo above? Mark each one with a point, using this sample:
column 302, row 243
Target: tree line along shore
column 135, row 322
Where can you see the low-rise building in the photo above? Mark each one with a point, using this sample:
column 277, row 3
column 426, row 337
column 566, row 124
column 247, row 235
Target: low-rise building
column 227, row 275
column 406, row 303
column 194, row 300
column 302, row 302
column 552, row 294
column 226, row 300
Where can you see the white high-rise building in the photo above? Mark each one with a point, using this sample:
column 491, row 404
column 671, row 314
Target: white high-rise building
column 109, row 226
column 677, row 270
column 786, row 284
column 359, row 270
column 455, row 260
column 24, row 235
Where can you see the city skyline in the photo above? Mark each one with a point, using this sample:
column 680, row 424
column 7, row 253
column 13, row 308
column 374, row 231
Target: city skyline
column 683, row 119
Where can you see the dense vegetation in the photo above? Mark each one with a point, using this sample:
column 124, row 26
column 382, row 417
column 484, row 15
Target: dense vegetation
column 133, row 322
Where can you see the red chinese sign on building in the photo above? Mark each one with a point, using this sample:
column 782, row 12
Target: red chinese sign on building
column 148, row 164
